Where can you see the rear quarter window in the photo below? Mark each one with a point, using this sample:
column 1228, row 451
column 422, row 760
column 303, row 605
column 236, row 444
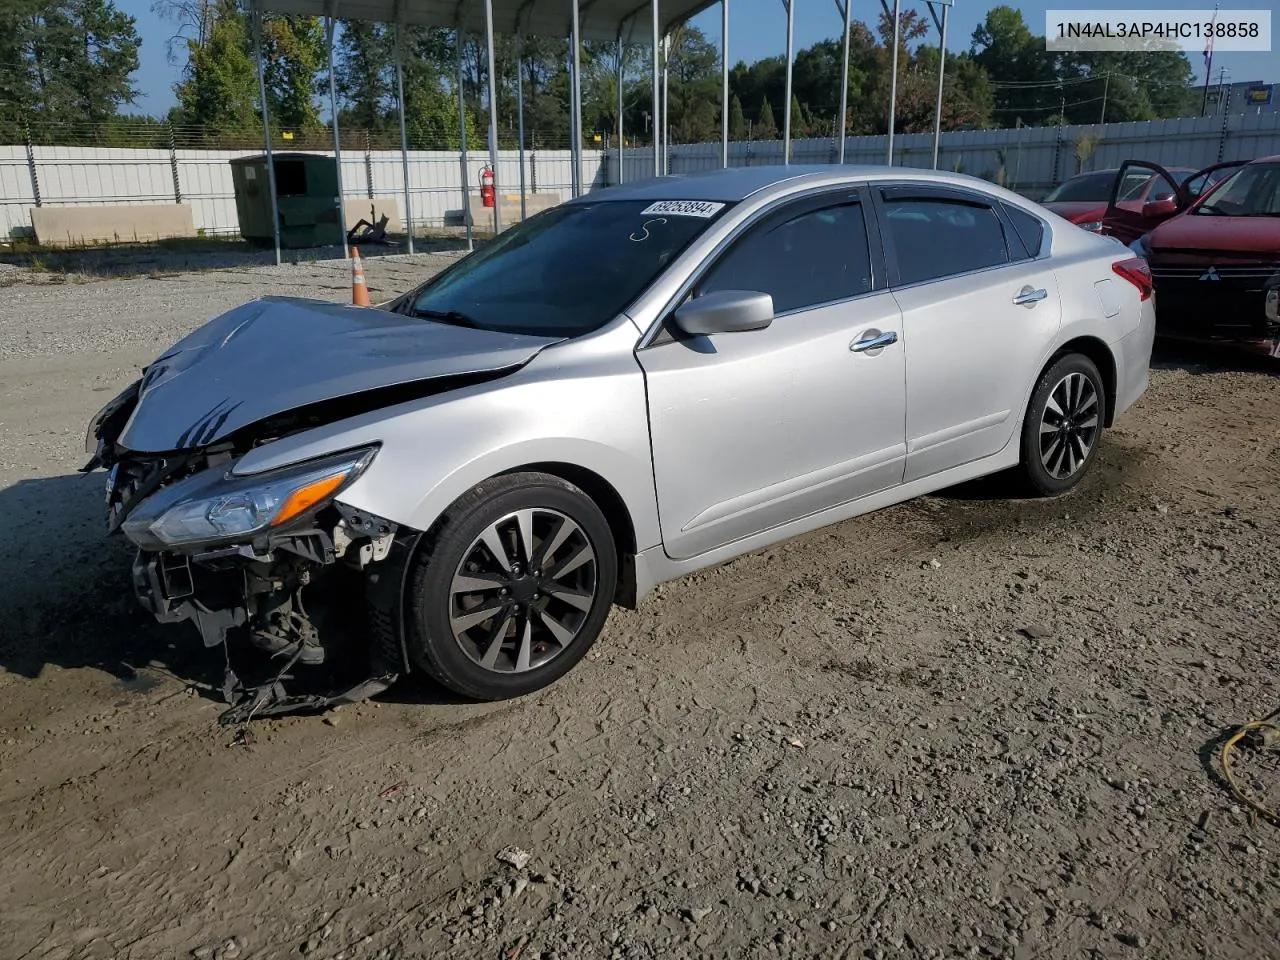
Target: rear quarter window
column 1028, row 229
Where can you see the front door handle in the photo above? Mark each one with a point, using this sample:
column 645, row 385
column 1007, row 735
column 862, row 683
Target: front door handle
column 874, row 342
column 1026, row 295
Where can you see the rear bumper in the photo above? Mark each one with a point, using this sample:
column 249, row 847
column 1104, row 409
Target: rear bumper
column 1133, row 360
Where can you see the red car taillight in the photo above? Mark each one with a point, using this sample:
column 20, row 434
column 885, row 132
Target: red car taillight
column 1137, row 272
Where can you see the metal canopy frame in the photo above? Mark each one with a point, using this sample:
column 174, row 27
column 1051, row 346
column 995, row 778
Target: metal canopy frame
column 578, row 20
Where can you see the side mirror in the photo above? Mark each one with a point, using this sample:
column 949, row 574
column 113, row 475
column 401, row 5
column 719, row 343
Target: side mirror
column 1159, row 209
column 725, row 311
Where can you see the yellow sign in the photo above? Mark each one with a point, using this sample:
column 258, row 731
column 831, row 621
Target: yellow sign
column 286, row 135
column 597, row 138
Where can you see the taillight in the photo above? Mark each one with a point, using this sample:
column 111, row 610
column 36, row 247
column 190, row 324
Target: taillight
column 1137, row 272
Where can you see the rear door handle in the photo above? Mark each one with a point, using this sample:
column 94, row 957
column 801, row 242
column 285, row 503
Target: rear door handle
column 875, row 342
column 1026, row 295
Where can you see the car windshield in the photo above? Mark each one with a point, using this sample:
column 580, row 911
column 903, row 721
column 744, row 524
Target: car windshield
column 568, row 270
column 1090, row 188
column 1096, row 187
column 1252, row 191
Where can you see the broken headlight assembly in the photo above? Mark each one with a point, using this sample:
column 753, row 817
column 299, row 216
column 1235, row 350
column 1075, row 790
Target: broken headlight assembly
column 214, row 507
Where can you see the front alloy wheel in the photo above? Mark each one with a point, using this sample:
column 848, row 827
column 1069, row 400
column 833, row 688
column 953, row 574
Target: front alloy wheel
column 523, row 590
column 512, row 588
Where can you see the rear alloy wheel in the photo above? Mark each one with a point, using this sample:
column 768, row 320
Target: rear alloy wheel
column 514, row 587
column 1063, row 425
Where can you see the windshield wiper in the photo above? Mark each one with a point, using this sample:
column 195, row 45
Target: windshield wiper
column 453, row 317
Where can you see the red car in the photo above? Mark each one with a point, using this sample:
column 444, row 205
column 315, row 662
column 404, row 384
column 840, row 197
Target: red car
column 1084, row 198
column 1215, row 259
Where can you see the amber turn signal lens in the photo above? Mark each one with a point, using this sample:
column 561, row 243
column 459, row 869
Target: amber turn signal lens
column 304, row 498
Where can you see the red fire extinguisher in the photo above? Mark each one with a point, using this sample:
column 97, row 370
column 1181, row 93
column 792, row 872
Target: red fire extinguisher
column 487, row 193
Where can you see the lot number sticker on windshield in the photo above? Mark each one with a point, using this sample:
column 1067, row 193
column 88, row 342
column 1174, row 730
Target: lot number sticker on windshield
column 683, row 208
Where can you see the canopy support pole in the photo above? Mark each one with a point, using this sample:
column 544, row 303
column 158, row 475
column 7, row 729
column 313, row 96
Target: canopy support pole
column 786, row 110
column 575, row 115
column 462, row 131
column 657, row 157
column 620, row 107
column 941, row 24
column 724, row 83
column 330, row 23
column 520, row 117
column 404, row 137
column 266, row 127
column 845, row 9
column 493, row 116
column 893, row 79
column 666, row 104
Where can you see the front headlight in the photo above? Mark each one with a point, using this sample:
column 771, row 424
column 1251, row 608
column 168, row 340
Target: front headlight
column 229, row 508
column 1093, row 226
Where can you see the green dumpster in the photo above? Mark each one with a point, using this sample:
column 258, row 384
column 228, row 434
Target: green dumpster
column 306, row 197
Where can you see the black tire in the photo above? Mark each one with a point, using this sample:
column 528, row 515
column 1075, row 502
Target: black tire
column 1039, row 477
column 431, row 601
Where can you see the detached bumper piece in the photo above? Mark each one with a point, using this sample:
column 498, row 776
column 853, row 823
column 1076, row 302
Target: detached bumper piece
column 234, row 596
column 272, row 699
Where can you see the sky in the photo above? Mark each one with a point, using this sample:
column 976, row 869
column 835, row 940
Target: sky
column 757, row 28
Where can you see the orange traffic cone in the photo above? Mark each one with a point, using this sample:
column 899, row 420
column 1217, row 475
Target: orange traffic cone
column 359, row 291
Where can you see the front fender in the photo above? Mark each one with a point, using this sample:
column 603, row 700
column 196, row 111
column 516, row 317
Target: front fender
column 580, row 403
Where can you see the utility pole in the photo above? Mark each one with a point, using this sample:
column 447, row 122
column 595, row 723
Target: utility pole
column 1106, row 86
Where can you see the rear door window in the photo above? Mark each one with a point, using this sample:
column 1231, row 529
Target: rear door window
column 942, row 235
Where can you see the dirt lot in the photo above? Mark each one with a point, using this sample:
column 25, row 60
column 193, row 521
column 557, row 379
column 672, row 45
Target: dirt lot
column 967, row 726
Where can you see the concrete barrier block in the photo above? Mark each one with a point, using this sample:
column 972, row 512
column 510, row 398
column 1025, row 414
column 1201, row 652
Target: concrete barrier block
column 59, row 226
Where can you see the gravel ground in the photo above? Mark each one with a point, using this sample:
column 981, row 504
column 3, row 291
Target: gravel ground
column 971, row 725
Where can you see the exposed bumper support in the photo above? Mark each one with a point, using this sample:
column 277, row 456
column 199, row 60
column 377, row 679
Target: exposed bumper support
column 227, row 594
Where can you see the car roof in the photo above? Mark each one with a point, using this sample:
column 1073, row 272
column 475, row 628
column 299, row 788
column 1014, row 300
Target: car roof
column 1114, row 170
column 732, row 184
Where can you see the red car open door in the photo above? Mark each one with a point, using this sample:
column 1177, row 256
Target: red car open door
column 1128, row 219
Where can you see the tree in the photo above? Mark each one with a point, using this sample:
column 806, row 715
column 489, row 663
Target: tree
column 1038, row 87
column 218, row 93
column 737, row 123
column 17, row 86
column 193, row 18
column 68, row 60
column 799, row 122
column 364, row 74
column 292, row 49
column 1026, row 73
column 766, row 128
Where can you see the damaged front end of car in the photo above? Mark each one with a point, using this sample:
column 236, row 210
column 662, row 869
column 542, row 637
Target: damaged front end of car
column 235, row 553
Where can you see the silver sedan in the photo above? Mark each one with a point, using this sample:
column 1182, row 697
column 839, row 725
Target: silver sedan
column 639, row 383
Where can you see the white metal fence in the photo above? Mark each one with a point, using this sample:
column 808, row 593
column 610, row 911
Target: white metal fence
column 68, row 176
column 1033, row 159
column 1029, row 160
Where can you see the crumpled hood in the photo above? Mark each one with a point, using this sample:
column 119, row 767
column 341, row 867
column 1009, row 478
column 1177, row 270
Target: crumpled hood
column 276, row 354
